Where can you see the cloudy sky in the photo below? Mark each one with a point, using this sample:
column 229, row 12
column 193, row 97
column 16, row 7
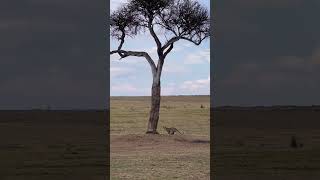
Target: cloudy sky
column 52, row 52
column 186, row 69
column 267, row 52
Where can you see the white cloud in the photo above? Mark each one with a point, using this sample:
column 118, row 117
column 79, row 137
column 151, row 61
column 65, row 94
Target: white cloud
column 120, row 71
column 199, row 57
column 199, row 86
column 124, row 88
column 115, row 59
column 169, row 89
column 188, row 44
column 173, row 68
column 129, row 89
column 195, row 87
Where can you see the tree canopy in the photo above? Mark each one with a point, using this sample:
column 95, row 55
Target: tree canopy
column 181, row 19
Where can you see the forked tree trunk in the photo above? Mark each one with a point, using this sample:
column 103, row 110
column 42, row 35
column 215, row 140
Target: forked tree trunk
column 155, row 106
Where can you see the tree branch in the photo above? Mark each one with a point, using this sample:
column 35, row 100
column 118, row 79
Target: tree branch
column 177, row 38
column 155, row 37
column 121, row 40
column 168, row 51
column 193, row 41
column 124, row 54
column 171, row 41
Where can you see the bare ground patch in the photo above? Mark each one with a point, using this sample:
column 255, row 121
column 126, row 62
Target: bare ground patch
column 159, row 157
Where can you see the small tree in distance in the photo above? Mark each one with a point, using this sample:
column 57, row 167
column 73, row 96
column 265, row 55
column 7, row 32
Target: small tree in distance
column 182, row 19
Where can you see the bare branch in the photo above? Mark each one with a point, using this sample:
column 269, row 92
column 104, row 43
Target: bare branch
column 155, row 37
column 188, row 38
column 124, row 54
column 171, row 41
column 121, row 40
column 196, row 42
column 169, row 50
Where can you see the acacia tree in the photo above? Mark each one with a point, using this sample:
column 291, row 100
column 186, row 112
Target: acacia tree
column 181, row 19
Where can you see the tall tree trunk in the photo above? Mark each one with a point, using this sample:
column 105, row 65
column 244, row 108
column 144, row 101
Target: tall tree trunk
column 155, row 106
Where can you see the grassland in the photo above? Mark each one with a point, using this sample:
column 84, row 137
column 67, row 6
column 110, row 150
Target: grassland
column 255, row 144
column 53, row 145
column 135, row 155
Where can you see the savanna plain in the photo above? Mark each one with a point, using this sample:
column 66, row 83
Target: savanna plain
column 53, row 145
column 136, row 155
column 266, row 143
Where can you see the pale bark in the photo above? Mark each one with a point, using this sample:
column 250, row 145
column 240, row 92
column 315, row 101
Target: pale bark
column 155, row 100
column 155, row 106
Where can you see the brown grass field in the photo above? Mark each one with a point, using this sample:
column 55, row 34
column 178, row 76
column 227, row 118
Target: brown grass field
column 135, row 155
column 248, row 144
column 53, row 145
column 257, row 145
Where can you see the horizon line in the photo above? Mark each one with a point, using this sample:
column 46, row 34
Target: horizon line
column 161, row 95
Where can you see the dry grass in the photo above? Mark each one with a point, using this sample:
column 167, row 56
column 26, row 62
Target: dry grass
column 40, row 145
column 135, row 155
column 257, row 145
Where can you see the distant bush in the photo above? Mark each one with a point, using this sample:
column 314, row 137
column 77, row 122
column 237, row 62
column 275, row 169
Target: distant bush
column 202, row 106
